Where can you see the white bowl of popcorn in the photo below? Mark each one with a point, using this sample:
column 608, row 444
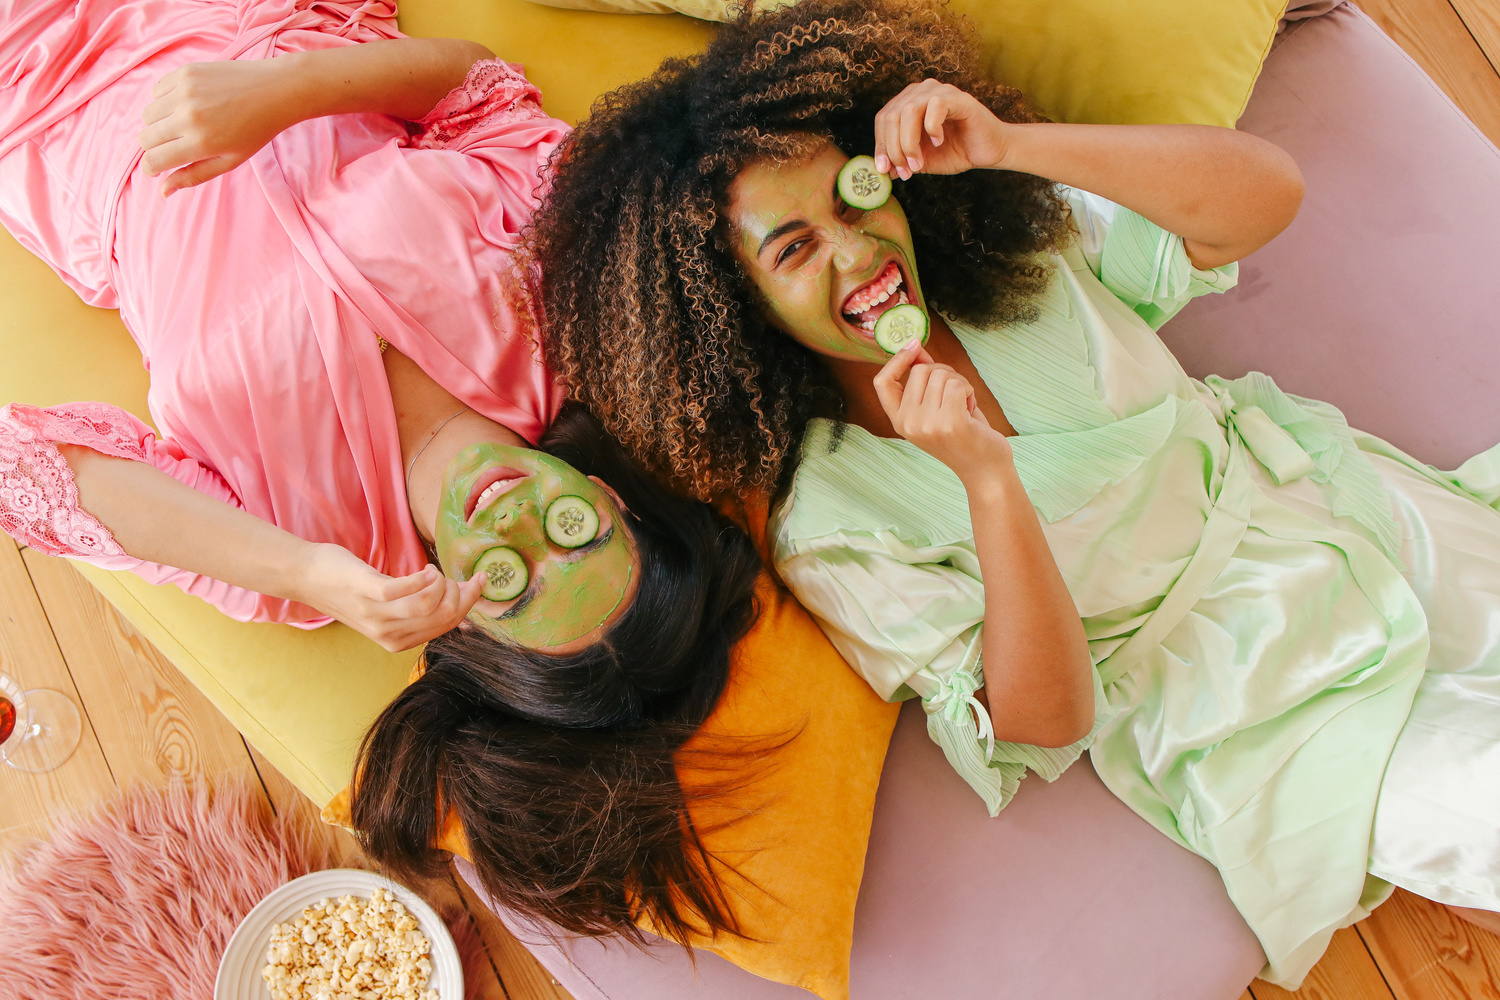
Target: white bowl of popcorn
column 343, row 934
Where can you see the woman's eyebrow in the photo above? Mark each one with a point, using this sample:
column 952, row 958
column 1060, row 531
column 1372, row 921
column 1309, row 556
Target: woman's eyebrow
column 779, row 232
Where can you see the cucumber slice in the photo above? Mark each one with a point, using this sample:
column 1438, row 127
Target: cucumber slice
column 899, row 326
column 862, row 186
column 506, row 572
column 571, row 522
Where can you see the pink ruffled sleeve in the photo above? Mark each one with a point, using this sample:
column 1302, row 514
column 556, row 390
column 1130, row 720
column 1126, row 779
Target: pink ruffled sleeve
column 492, row 100
column 38, row 496
column 39, row 504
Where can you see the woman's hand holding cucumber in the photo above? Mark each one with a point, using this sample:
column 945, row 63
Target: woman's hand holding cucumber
column 932, row 406
column 1226, row 193
column 935, row 128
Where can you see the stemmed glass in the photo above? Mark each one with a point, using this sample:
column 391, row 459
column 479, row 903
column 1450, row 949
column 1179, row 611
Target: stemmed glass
column 39, row 729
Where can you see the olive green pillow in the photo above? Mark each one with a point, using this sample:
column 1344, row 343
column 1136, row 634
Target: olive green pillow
column 1135, row 62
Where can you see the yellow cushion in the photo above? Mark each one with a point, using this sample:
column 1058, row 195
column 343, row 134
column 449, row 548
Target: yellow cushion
column 1135, row 62
column 572, row 55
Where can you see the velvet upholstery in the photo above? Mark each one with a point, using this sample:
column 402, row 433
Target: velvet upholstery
column 1091, row 60
column 1067, row 895
column 1380, row 298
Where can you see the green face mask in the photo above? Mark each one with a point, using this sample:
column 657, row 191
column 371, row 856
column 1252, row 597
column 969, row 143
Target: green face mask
column 825, row 271
column 496, row 497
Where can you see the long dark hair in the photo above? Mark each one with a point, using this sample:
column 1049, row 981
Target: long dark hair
column 562, row 768
column 647, row 317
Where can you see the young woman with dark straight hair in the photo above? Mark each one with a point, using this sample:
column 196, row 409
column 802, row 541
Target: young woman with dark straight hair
column 561, row 769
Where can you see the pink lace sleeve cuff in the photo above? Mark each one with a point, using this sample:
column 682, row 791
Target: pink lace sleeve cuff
column 38, row 495
column 494, row 91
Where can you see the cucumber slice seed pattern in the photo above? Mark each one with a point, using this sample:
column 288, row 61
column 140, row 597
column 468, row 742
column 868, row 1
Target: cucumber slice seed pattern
column 899, row 326
column 571, row 521
column 861, row 185
column 505, row 572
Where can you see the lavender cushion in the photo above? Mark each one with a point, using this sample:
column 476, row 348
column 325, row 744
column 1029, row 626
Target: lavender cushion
column 1381, row 298
column 1067, row 894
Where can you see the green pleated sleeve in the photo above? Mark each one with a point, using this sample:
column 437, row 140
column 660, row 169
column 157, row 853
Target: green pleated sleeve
column 876, row 543
column 1145, row 266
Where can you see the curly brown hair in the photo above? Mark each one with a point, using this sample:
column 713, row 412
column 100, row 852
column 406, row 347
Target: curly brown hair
column 647, row 317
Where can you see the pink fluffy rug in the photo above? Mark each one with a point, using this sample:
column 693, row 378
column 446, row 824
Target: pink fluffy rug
column 139, row 898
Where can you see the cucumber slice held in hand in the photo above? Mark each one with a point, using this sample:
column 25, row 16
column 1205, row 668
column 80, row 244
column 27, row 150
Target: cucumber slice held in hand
column 571, row 521
column 862, row 186
column 899, row 326
column 505, row 571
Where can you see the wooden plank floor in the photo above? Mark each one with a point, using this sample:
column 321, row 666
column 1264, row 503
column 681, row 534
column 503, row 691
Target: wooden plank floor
column 144, row 722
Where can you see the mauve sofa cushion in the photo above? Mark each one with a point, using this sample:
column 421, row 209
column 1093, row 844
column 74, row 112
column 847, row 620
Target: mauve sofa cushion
column 1066, row 895
column 1382, row 298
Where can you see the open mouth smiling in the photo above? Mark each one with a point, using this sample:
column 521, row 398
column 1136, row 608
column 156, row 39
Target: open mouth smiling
column 866, row 304
column 489, row 487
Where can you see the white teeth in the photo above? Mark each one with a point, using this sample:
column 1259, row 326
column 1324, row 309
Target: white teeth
column 488, row 495
column 869, row 298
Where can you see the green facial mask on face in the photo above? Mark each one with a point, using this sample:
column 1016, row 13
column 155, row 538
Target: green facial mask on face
column 571, row 592
column 574, row 599
column 806, row 251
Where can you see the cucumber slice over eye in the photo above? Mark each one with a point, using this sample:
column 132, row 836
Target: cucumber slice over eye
column 571, row 522
column 862, row 186
column 505, row 572
column 899, row 326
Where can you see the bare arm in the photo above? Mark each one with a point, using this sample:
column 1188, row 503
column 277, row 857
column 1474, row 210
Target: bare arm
column 1224, row 192
column 156, row 518
column 1037, row 673
column 404, row 78
column 207, row 118
column 1038, row 679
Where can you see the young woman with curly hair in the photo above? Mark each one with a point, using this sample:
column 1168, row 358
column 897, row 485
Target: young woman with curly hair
column 1275, row 635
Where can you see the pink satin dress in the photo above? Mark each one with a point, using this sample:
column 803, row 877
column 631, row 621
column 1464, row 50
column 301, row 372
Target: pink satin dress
column 259, row 299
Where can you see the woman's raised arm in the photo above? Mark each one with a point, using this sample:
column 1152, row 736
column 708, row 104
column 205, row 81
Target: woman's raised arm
column 1226, row 193
column 158, row 519
column 207, row 118
column 1038, row 678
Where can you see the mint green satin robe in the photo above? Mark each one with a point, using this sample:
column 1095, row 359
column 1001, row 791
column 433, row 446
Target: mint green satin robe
column 1295, row 627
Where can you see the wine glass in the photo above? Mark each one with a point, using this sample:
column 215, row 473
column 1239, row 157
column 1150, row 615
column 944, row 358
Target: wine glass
column 39, row 729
